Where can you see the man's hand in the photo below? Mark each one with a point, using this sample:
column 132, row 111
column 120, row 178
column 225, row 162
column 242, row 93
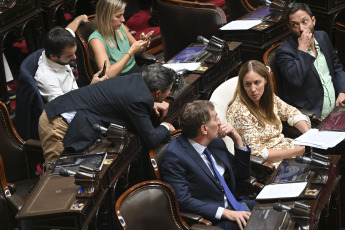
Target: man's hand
column 240, row 217
column 226, row 129
column 171, row 127
column 96, row 79
column 340, row 99
column 77, row 21
column 164, row 107
column 305, row 41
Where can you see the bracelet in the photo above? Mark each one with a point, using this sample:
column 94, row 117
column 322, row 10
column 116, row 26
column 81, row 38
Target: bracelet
column 129, row 55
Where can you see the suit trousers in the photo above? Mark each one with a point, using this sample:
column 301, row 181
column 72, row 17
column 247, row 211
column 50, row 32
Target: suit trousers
column 51, row 134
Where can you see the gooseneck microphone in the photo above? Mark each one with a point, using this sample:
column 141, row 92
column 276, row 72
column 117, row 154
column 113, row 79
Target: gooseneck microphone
column 297, row 209
column 100, row 129
column 311, row 161
column 202, row 39
column 65, row 172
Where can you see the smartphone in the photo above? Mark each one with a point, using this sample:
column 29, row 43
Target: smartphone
column 104, row 69
column 148, row 35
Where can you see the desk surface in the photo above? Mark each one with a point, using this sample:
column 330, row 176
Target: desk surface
column 317, row 204
column 53, row 202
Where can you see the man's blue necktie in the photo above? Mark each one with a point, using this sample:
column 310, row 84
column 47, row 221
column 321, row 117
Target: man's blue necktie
column 235, row 204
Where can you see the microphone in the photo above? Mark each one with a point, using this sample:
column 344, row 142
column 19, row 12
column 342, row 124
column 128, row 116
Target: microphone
column 100, row 129
column 311, row 161
column 65, row 172
column 202, row 39
column 266, row 2
column 297, row 209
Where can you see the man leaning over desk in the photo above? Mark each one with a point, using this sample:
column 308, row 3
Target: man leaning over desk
column 126, row 100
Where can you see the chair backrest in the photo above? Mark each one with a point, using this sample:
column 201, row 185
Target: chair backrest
column 239, row 8
column 339, row 41
column 181, row 22
column 29, row 102
column 11, row 150
column 270, row 60
column 84, row 63
column 150, row 205
column 221, row 97
column 156, row 155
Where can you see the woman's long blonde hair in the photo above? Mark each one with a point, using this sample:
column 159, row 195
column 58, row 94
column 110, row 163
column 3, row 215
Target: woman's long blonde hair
column 105, row 9
column 265, row 113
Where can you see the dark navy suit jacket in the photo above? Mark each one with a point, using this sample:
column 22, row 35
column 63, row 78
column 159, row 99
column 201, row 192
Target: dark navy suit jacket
column 196, row 188
column 301, row 83
column 124, row 100
column 29, row 102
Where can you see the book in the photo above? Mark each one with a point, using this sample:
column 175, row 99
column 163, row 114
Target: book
column 335, row 121
column 188, row 54
column 72, row 163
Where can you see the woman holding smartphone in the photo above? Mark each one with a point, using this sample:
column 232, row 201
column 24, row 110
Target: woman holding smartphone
column 111, row 41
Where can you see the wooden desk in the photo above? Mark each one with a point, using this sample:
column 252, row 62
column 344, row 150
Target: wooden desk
column 52, row 203
column 200, row 85
column 326, row 202
column 259, row 38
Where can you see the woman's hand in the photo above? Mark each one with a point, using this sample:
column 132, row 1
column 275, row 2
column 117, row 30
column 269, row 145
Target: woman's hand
column 137, row 47
column 143, row 37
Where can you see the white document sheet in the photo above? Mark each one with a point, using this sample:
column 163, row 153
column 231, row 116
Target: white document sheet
column 320, row 139
column 284, row 190
column 180, row 67
column 241, row 24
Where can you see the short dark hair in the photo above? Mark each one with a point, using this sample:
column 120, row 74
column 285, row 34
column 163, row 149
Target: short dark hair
column 56, row 40
column 193, row 116
column 158, row 77
column 299, row 6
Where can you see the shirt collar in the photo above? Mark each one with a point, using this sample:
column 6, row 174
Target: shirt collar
column 55, row 66
column 198, row 147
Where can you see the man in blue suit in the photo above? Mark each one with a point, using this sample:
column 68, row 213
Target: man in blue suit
column 193, row 174
column 312, row 76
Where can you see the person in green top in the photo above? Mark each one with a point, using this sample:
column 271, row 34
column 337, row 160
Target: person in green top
column 111, row 41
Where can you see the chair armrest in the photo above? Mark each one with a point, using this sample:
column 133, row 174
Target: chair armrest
column 249, row 187
column 144, row 58
column 308, row 113
column 261, row 170
column 203, row 227
column 191, row 219
column 8, row 188
column 34, row 153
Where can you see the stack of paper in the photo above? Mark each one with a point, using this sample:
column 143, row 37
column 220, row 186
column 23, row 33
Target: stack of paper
column 241, row 24
column 275, row 191
column 180, row 67
column 320, row 139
